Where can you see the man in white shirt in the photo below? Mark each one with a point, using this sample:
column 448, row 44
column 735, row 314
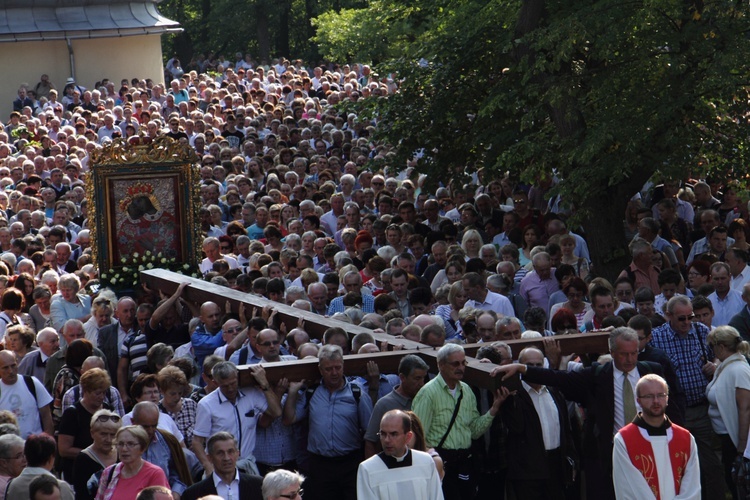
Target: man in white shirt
column 212, row 249
column 226, row 481
column 482, row 298
column 726, row 302
column 737, row 260
column 398, row 472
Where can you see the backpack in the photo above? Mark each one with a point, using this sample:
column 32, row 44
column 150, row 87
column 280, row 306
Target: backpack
column 356, row 392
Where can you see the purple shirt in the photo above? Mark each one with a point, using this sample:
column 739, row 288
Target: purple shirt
column 536, row 291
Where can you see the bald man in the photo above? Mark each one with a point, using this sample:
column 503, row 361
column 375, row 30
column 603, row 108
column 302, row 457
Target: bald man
column 25, row 397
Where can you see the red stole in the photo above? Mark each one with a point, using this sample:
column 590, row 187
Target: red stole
column 642, row 455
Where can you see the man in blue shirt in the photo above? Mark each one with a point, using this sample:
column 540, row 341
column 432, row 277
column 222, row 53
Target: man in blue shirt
column 339, row 413
column 208, row 335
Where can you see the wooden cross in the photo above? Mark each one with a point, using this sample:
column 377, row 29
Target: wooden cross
column 476, row 374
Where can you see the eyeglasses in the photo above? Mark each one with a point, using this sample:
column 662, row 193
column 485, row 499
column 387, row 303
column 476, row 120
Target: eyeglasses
column 233, row 330
column 519, row 202
column 296, row 494
column 104, row 418
column 130, row 445
column 270, row 343
column 682, row 319
column 226, row 247
column 650, row 397
column 17, row 457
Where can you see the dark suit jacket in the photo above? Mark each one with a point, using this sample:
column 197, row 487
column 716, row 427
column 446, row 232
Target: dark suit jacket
column 741, row 321
column 107, row 343
column 593, row 387
column 250, row 488
column 527, row 460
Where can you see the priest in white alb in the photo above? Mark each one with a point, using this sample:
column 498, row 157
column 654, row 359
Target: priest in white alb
column 652, row 457
column 398, row 473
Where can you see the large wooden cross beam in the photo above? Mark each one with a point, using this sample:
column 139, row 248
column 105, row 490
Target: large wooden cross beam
column 477, row 373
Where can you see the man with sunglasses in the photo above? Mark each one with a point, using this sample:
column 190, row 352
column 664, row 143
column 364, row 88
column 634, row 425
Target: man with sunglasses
column 684, row 341
column 436, row 404
column 269, row 346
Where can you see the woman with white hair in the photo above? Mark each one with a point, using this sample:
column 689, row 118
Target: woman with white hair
column 282, row 485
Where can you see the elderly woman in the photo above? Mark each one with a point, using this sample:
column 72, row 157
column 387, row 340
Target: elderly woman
column 124, row 480
column 96, row 457
column 729, row 395
column 173, row 384
column 69, row 305
column 20, row 340
column 40, row 311
column 102, row 310
column 282, row 485
column 74, row 431
column 456, row 301
column 12, row 459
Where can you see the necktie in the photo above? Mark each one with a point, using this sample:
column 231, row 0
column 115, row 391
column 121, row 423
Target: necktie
column 628, row 400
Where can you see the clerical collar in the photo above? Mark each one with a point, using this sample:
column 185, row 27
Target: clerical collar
column 653, row 431
column 395, row 463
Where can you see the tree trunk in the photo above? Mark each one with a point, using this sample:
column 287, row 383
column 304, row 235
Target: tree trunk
column 203, row 32
column 282, row 39
column 264, row 37
column 605, row 236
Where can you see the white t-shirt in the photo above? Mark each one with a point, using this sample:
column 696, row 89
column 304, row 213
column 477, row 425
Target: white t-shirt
column 18, row 399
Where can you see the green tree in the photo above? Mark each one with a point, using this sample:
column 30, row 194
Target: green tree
column 603, row 93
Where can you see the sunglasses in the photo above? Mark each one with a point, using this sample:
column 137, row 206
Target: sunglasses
column 689, row 317
column 104, row 418
column 270, row 343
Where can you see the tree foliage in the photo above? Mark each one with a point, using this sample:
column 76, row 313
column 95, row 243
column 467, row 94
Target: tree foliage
column 264, row 28
column 603, row 93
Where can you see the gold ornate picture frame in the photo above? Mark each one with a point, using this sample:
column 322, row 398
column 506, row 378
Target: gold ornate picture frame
column 143, row 198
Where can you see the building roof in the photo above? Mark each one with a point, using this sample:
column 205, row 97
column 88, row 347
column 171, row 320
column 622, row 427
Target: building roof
column 33, row 20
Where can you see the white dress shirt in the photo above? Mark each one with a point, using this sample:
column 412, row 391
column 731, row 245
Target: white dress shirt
column 229, row 491
column 619, row 377
column 546, row 410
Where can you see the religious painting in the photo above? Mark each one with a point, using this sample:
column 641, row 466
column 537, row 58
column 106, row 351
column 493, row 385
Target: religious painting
column 144, row 201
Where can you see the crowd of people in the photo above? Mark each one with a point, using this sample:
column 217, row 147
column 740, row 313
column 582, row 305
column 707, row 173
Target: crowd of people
column 125, row 397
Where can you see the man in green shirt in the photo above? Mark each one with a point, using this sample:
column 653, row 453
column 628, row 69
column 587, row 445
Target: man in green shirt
column 435, row 405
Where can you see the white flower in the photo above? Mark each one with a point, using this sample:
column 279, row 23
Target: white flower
column 186, row 267
column 123, row 260
column 126, row 269
column 135, row 255
column 148, row 252
column 117, row 276
column 149, row 266
column 141, row 268
column 163, row 260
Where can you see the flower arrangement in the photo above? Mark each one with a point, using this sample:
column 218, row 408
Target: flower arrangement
column 129, row 275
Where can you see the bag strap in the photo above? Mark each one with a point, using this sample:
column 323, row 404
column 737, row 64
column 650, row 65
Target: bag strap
column 453, row 418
